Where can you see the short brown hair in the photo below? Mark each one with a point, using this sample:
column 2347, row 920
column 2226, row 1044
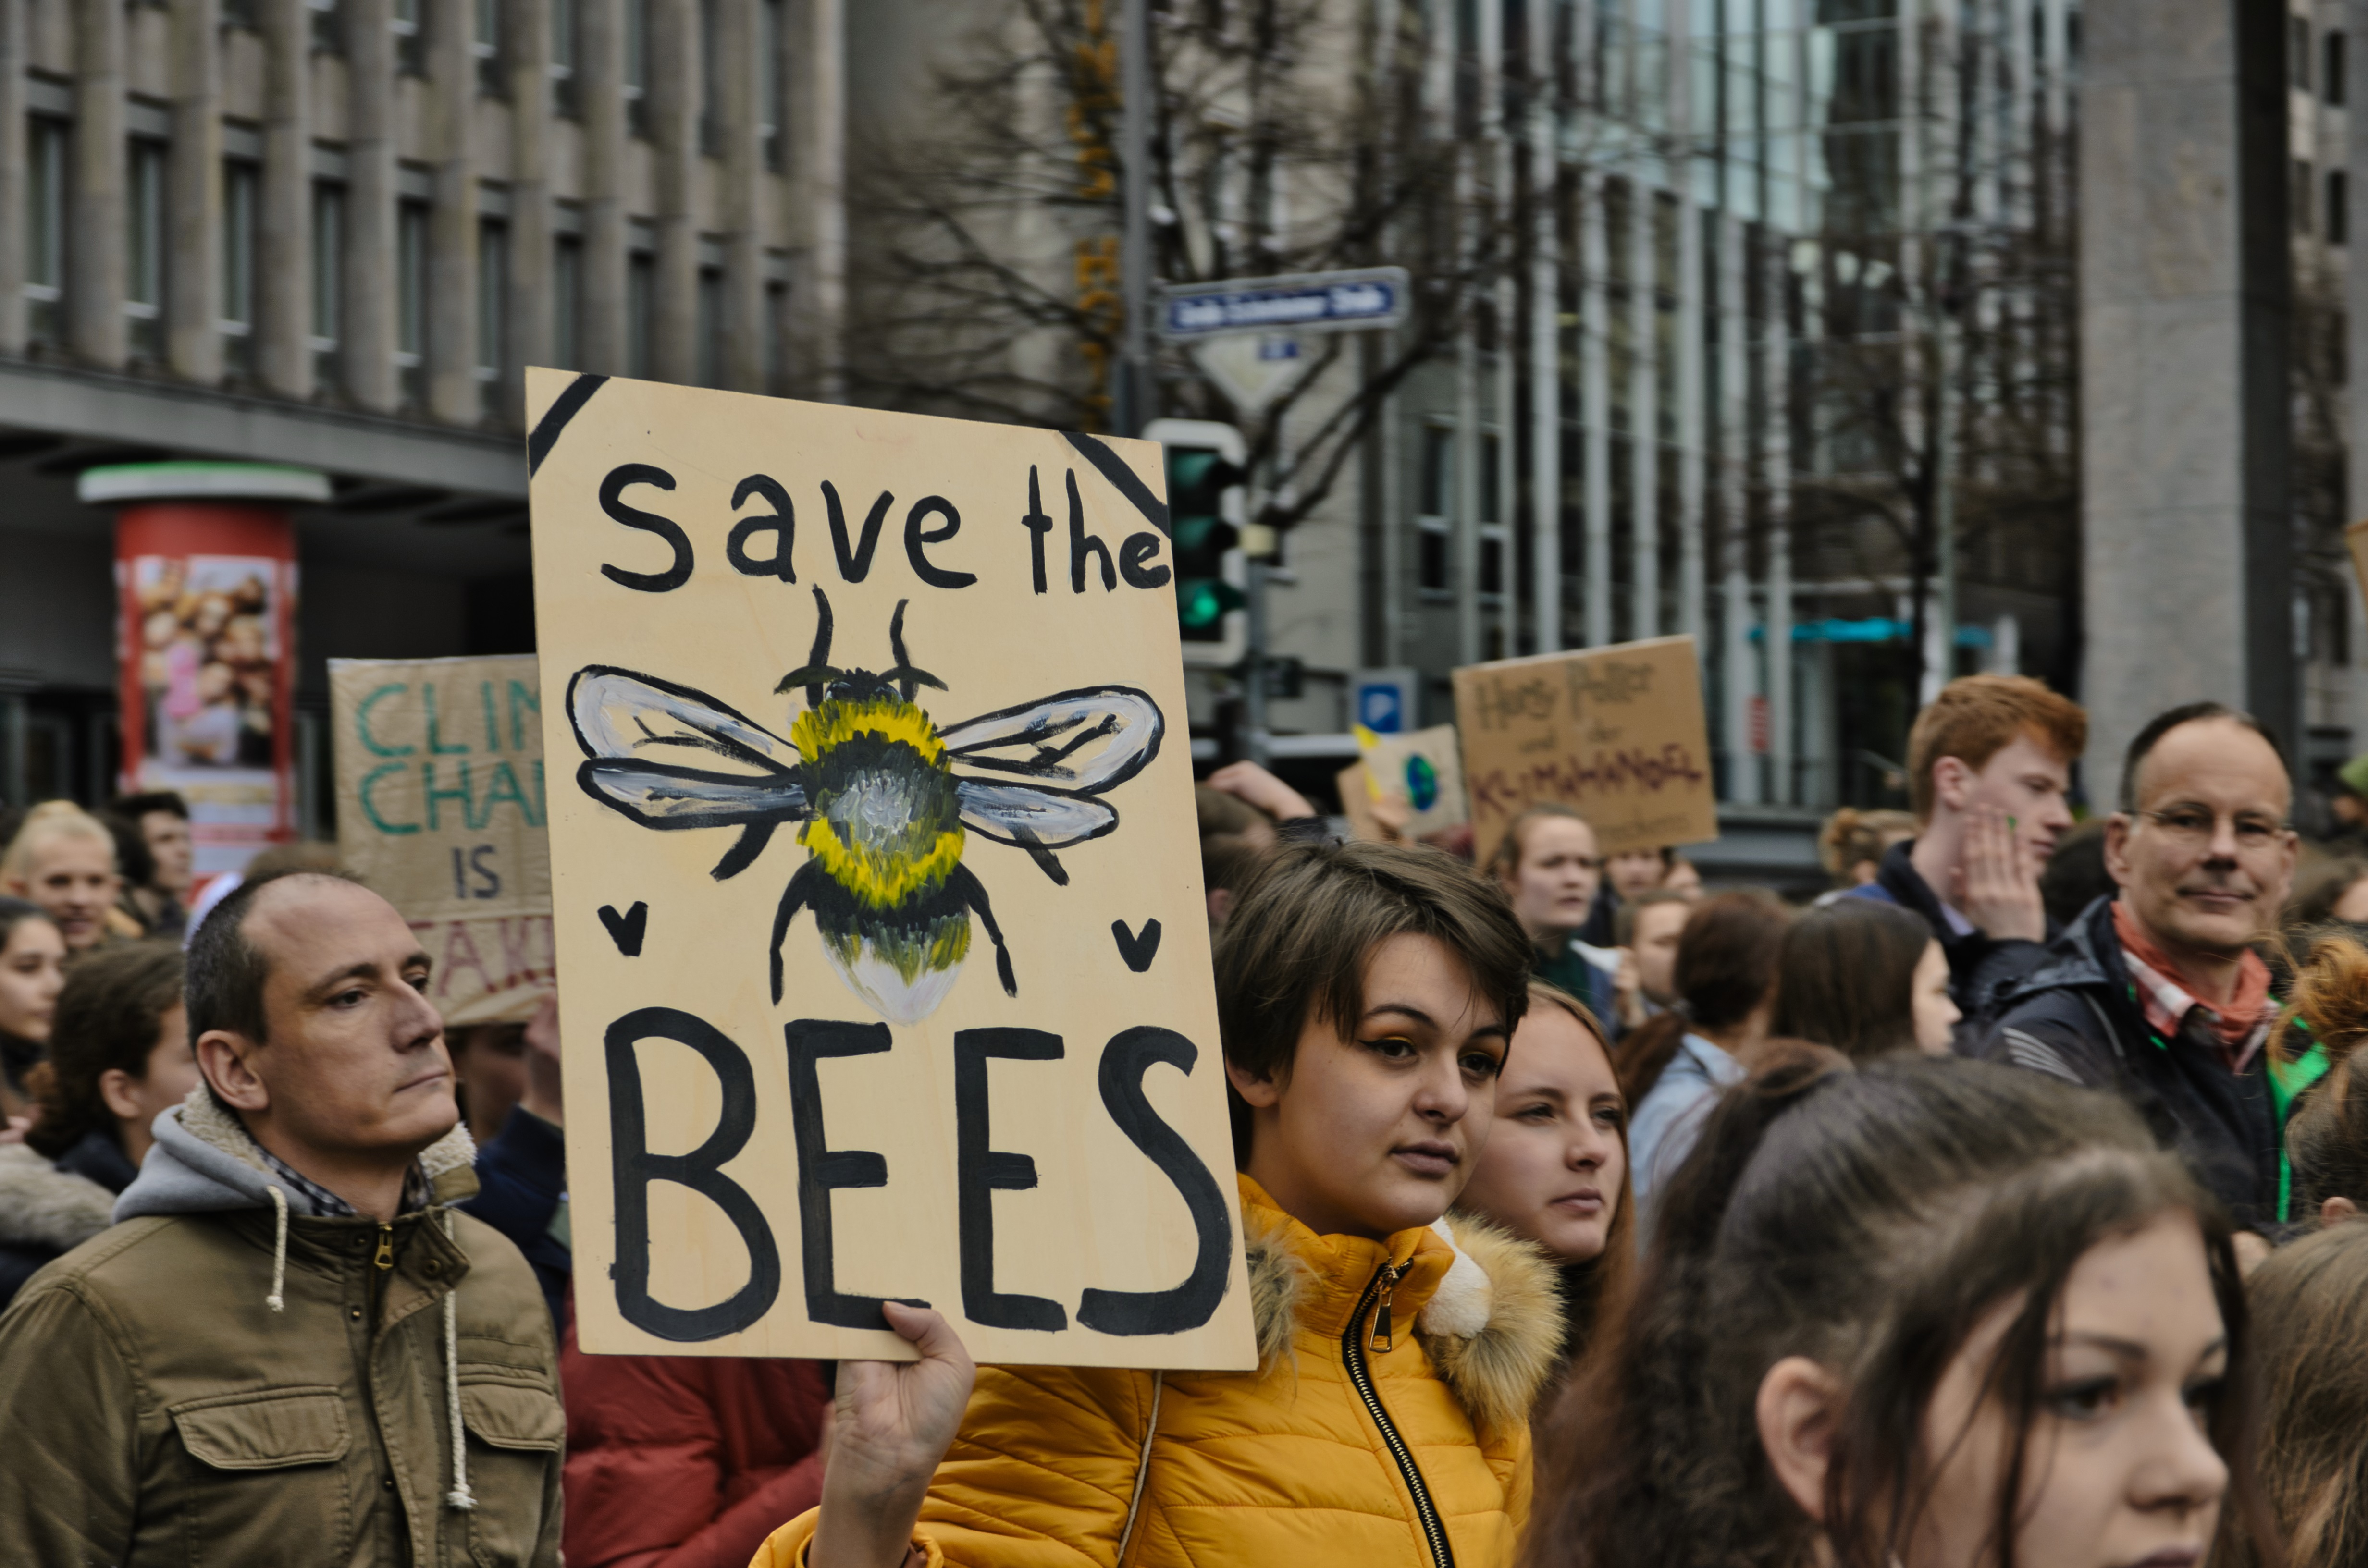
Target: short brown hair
column 109, row 1015
column 1975, row 717
column 1295, row 950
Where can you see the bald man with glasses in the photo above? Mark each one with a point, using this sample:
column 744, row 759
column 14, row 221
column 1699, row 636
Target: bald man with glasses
column 2158, row 993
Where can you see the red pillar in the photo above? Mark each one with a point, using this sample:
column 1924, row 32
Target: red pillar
column 206, row 652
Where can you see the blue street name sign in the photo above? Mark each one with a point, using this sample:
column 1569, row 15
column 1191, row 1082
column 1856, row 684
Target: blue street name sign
column 1313, row 302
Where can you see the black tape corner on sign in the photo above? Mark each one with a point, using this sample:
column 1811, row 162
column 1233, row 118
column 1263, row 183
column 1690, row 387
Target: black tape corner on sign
column 564, row 407
column 1111, row 466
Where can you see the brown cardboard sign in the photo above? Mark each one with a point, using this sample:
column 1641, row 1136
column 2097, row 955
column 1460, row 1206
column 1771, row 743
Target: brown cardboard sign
column 440, row 808
column 884, row 955
column 1616, row 733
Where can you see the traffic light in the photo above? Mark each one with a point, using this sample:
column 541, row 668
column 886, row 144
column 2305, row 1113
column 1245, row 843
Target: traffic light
column 1205, row 528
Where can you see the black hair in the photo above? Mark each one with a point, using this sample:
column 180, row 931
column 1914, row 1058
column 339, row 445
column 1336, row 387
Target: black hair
column 133, row 859
column 134, row 807
column 15, row 911
column 2142, row 743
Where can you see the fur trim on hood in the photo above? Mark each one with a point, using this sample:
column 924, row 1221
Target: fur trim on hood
column 1493, row 1327
column 43, row 1206
column 204, row 1163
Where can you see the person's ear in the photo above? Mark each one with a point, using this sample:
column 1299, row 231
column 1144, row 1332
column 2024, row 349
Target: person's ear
column 1220, row 905
column 2336, row 1208
column 1260, row 1091
column 121, row 1091
column 225, row 1059
column 1799, row 1407
column 2117, row 848
column 1952, row 782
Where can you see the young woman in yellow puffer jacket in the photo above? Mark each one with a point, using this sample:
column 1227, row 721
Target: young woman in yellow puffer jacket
column 1367, row 995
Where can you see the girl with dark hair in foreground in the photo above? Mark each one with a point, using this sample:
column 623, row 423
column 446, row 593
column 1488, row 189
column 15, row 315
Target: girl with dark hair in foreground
column 1921, row 1315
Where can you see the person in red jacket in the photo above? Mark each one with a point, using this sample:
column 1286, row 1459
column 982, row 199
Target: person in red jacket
column 673, row 1462
column 687, row 1461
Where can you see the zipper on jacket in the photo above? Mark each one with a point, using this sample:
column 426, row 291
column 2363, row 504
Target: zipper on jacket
column 382, row 1265
column 1352, row 1354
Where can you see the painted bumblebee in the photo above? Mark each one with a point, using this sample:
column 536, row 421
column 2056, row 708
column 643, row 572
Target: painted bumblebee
column 871, row 779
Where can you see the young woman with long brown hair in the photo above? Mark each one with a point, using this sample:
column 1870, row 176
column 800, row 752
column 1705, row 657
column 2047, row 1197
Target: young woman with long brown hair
column 1914, row 1314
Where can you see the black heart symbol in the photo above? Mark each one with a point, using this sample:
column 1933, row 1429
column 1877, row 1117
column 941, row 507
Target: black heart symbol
column 627, row 929
column 1138, row 952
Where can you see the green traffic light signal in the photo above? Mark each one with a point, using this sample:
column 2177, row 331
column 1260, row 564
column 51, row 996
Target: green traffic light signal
column 1200, row 537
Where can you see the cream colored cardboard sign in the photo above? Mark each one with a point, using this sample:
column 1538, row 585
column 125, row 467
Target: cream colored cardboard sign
column 440, row 807
column 883, row 956
column 1421, row 768
column 1615, row 733
column 2356, row 536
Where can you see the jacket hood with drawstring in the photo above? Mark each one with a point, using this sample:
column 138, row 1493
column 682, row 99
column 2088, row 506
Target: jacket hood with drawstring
column 226, row 1371
column 1284, row 1464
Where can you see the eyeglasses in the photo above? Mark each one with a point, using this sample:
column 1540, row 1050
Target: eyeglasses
column 2192, row 828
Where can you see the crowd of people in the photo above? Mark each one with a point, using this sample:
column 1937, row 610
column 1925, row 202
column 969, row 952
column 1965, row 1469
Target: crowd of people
column 1999, row 1209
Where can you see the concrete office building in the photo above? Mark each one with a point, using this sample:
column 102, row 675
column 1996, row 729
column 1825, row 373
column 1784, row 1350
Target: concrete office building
column 330, row 234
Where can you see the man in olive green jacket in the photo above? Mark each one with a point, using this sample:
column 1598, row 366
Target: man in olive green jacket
column 289, row 1349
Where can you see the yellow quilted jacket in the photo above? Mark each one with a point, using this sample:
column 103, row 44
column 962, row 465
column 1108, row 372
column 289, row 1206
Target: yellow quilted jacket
column 1056, row 1466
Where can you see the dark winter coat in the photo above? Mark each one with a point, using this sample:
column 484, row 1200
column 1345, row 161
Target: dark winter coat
column 1980, row 966
column 48, row 1208
column 2077, row 1018
column 521, row 1176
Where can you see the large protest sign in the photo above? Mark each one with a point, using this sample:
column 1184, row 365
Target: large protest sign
column 884, row 959
column 1615, row 733
column 440, row 807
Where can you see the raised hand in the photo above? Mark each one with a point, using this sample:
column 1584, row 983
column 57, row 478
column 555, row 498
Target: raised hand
column 1254, row 784
column 892, row 1422
column 1998, row 880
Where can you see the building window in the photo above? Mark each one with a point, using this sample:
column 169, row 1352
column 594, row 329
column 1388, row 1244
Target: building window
column 641, row 314
column 411, row 303
column 637, row 66
column 1436, row 493
column 328, row 281
column 45, row 229
column 567, row 303
column 773, row 82
column 493, row 313
column 776, row 338
column 328, row 26
column 711, row 78
column 2301, row 197
column 410, row 39
column 241, row 211
column 2330, row 69
column 238, row 13
column 565, row 53
column 144, row 249
column 711, row 327
column 2339, row 204
column 2298, row 50
column 485, row 48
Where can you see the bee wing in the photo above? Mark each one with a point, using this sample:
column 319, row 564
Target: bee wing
column 1075, row 742
column 619, row 714
column 1031, row 816
column 667, row 795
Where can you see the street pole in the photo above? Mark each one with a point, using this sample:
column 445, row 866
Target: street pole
column 1134, row 388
